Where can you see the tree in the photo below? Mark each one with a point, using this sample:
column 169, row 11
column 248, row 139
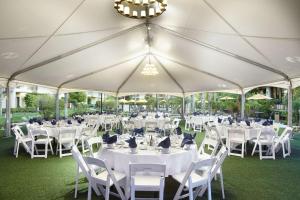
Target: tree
column 77, row 97
column 31, row 100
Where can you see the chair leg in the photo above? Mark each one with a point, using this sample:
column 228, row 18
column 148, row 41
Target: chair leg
column 90, row 192
column 222, row 183
column 15, row 147
column 107, row 190
column 17, row 150
column 191, row 194
column 76, row 182
column 132, row 189
column 260, row 151
column 243, row 149
column 60, row 150
column 209, row 189
column 51, row 147
column 46, row 150
column 254, row 148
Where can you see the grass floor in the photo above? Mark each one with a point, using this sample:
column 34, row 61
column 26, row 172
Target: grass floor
column 53, row 178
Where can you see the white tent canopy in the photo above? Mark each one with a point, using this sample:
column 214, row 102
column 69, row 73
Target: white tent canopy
column 196, row 45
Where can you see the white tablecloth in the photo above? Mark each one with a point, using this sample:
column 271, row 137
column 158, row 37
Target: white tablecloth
column 53, row 131
column 178, row 160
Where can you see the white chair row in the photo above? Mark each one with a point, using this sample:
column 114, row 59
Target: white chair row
column 35, row 138
column 273, row 144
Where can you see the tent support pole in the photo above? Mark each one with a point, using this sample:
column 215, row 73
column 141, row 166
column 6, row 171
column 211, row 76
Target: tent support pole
column 183, row 106
column 243, row 105
column 66, row 105
column 101, row 106
column 117, row 101
column 290, row 106
column 57, row 105
column 1, row 98
column 8, row 111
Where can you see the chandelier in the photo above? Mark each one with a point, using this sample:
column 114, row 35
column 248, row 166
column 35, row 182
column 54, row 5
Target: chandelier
column 149, row 69
column 140, row 8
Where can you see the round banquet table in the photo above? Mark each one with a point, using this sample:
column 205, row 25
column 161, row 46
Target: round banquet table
column 178, row 160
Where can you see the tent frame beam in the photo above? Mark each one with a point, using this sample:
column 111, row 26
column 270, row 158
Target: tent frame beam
column 100, row 70
column 130, row 75
column 74, row 51
column 222, row 51
column 201, row 71
column 244, row 39
column 170, row 75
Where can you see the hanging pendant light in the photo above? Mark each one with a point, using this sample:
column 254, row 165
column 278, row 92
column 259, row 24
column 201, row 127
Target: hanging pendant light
column 140, row 8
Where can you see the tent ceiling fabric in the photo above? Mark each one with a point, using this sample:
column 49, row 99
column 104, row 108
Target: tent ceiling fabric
column 196, row 45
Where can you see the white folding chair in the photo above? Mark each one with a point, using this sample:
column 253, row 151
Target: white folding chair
column 21, row 138
column 147, row 177
column 217, row 170
column 265, row 139
column 236, row 138
column 197, row 176
column 283, row 141
column 66, row 139
column 91, row 142
column 104, row 178
column 86, row 133
column 213, row 147
column 40, row 136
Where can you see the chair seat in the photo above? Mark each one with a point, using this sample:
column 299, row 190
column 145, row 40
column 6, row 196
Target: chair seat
column 265, row 141
column 42, row 141
column 102, row 176
column 149, row 182
column 197, row 179
column 66, row 140
column 26, row 139
column 237, row 140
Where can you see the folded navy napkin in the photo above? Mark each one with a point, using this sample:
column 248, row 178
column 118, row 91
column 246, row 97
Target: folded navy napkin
column 31, row 121
column 178, row 131
column 266, row 123
column 188, row 138
column 219, row 120
column 39, row 122
column 230, row 120
column 247, row 122
column 165, row 142
column 69, row 121
column 132, row 143
column 156, row 116
column 105, row 136
column 133, row 115
column 53, row 122
column 138, row 131
column 112, row 139
column 118, row 131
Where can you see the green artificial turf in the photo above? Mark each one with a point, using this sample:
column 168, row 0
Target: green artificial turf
column 53, row 178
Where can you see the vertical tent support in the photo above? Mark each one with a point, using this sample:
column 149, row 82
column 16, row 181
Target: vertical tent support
column 66, row 105
column 243, row 105
column 156, row 103
column 1, row 97
column 101, row 106
column 290, row 106
column 183, row 106
column 57, row 105
column 192, row 103
column 8, row 111
column 117, row 99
